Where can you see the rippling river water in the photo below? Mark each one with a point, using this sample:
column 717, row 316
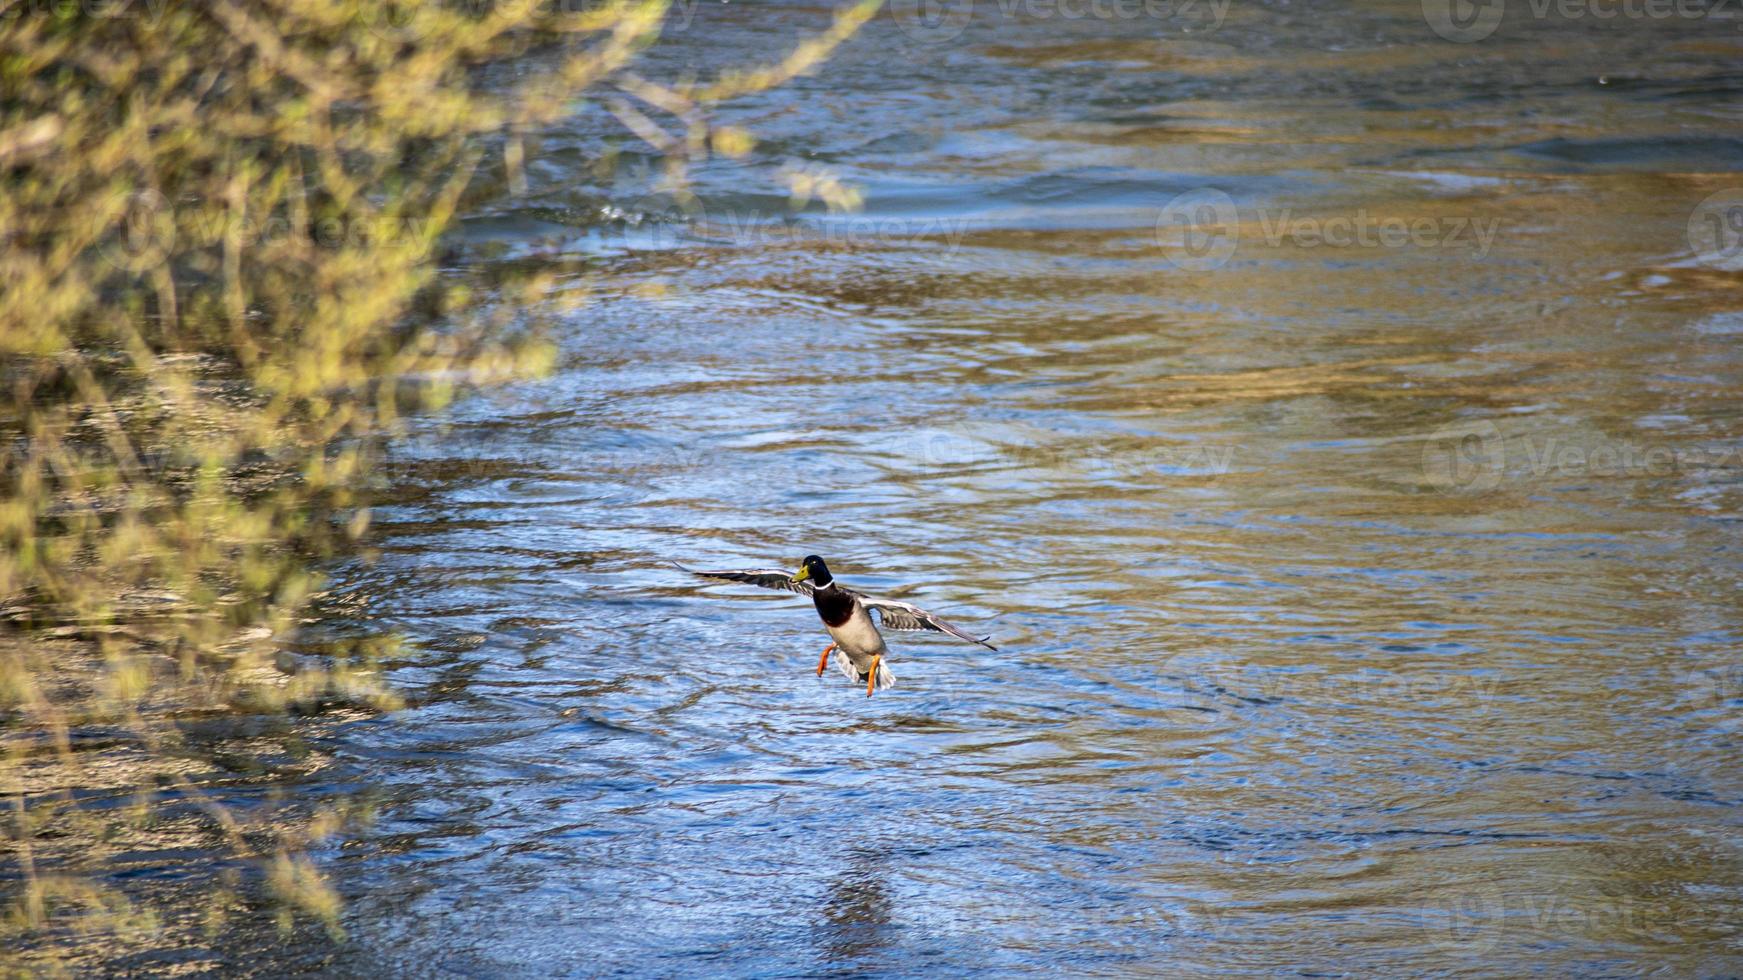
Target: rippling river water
column 1337, row 425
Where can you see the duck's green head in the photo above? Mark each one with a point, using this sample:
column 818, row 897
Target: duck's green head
column 812, row 568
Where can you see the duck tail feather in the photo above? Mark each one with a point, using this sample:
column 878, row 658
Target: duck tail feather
column 886, row 677
column 844, row 664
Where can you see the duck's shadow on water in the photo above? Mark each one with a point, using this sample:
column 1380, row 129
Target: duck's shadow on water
column 855, row 915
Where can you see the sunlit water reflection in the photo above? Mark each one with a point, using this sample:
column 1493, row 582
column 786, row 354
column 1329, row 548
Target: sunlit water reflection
column 1363, row 608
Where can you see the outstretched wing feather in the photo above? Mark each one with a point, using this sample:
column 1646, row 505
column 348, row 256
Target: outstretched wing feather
column 767, row 578
column 907, row 616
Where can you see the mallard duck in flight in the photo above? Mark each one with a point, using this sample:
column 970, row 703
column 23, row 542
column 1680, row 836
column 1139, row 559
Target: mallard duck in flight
column 859, row 647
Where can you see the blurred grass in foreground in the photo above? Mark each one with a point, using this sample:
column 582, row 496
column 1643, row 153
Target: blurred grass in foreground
column 219, row 233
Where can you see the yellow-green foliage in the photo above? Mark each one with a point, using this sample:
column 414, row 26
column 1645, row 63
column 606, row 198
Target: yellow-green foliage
column 218, row 225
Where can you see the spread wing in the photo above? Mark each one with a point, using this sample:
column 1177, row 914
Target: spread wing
column 767, row 578
column 907, row 616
